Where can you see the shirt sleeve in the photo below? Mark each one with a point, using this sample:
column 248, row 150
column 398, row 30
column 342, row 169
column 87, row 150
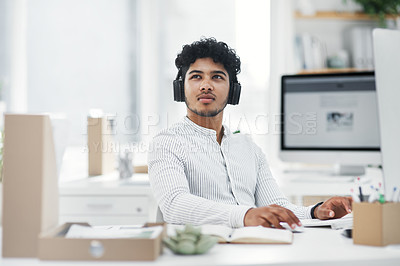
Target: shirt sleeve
column 268, row 191
column 171, row 189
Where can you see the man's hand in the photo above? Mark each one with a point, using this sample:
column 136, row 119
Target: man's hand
column 333, row 208
column 269, row 216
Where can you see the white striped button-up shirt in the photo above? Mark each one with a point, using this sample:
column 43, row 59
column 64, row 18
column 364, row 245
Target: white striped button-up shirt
column 198, row 181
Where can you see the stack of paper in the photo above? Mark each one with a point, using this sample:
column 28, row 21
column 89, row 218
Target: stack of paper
column 344, row 222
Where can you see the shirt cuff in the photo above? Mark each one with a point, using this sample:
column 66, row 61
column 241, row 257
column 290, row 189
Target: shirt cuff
column 308, row 212
column 236, row 218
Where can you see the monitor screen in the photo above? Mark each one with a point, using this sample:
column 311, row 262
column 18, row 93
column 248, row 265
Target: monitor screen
column 329, row 112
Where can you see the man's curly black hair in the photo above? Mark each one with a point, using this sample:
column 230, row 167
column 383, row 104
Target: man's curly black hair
column 220, row 52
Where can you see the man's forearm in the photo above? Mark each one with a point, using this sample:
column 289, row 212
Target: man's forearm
column 186, row 208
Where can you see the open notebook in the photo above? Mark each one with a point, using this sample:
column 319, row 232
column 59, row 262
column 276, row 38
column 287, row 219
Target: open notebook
column 249, row 234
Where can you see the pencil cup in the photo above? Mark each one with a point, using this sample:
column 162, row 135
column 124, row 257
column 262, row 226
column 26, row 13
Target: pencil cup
column 376, row 224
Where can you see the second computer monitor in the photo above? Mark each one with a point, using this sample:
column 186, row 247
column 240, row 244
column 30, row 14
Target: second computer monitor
column 330, row 118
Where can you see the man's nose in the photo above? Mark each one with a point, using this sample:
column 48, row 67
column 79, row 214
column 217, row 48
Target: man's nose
column 206, row 85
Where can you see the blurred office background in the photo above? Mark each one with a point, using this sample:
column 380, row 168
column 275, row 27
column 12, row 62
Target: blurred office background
column 68, row 56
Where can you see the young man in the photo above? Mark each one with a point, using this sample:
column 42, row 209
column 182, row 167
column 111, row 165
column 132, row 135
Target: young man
column 202, row 173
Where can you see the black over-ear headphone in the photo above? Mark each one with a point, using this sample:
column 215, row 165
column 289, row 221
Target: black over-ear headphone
column 179, row 90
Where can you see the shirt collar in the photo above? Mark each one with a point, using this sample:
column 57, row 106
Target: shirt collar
column 204, row 130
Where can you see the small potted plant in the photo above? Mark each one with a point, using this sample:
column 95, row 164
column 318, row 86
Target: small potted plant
column 381, row 10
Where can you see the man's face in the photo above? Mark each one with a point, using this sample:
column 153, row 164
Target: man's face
column 206, row 87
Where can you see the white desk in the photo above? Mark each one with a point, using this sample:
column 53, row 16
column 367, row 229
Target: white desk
column 316, row 246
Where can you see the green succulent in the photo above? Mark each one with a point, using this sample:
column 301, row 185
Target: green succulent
column 190, row 241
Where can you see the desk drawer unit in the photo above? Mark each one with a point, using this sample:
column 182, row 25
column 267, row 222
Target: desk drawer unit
column 104, row 205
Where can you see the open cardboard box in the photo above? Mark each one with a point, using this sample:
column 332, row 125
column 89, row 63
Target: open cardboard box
column 52, row 245
column 30, row 202
column 376, row 224
column 30, row 184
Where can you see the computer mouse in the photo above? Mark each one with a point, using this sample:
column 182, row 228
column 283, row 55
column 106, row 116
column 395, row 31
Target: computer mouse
column 297, row 229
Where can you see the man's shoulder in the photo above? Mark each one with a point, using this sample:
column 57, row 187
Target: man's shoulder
column 170, row 133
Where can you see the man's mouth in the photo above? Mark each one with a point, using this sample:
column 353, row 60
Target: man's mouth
column 206, row 98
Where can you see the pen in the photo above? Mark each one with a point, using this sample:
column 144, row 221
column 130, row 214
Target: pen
column 394, row 194
column 360, row 190
column 361, row 194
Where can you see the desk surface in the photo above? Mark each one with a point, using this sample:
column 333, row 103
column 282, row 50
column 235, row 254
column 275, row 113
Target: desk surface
column 316, row 246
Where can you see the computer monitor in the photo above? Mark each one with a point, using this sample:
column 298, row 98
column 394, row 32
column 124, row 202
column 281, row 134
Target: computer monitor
column 330, row 118
column 387, row 65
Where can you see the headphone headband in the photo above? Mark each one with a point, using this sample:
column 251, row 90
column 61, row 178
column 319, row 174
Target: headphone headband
column 179, row 90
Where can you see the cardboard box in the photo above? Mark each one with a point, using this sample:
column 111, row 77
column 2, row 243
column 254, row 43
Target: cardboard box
column 30, row 185
column 54, row 246
column 101, row 146
column 376, row 224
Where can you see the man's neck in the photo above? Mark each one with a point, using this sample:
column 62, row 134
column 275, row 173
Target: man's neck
column 214, row 123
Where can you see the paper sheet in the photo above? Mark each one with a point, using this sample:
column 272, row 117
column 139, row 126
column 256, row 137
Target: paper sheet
column 344, row 222
column 113, row 231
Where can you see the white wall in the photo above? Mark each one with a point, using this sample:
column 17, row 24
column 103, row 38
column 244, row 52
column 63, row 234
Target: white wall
column 3, row 48
column 16, row 46
column 185, row 22
column 282, row 32
column 78, row 57
column 253, row 46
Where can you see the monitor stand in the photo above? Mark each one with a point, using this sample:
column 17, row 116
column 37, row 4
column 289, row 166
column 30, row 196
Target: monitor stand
column 352, row 170
column 332, row 174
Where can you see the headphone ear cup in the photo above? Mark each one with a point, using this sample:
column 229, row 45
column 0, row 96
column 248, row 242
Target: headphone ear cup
column 234, row 93
column 179, row 94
